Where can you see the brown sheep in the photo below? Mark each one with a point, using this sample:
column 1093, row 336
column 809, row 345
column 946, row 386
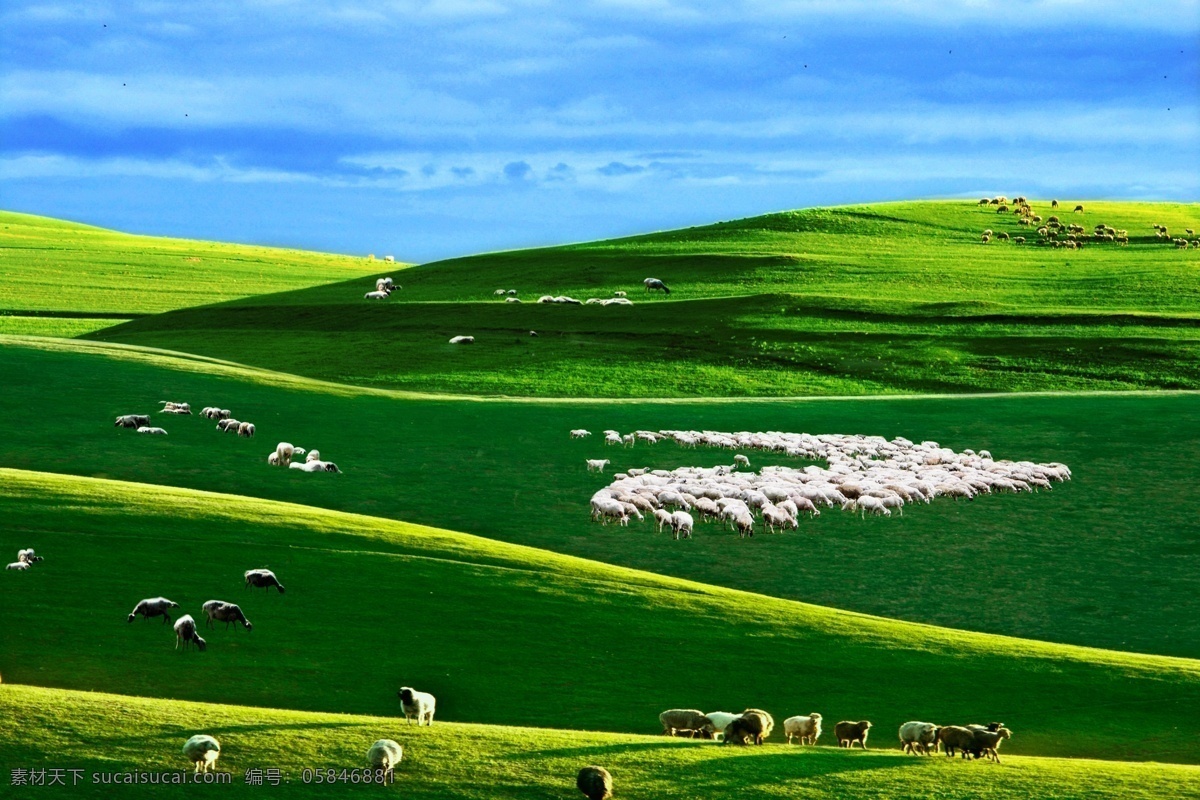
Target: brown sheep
column 954, row 737
column 1054, row 204
column 988, row 743
column 847, row 733
column 741, row 730
column 985, row 238
column 767, row 724
column 1078, row 209
column 595, row 783
column 686, row 720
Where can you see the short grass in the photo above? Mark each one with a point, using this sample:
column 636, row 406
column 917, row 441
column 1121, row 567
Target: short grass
column 1108, row 559
column 105, row 733
column 53, row 265
column 510, row 635
column 56, row 326
column 890, row 298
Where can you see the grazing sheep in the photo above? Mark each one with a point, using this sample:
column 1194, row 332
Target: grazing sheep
column 417, row 704
column 498, row 292
column 210, row 412
column 246, row 429
column 1054, row 204
column 595, row 783
column 153, row 607
column 185, row 631
column 656, row 284
column 385, row 754
column 681, row 525
column 663, row 519
column 847, row 733
column 686, row 720
column 985, row 238
column 1002, row 236
column 597, row 464
column 263, row 579
column 462, row 340
column 228, row 422
column 956, row 737
column 1078, row 209
column 221, row 611
column 273, row 459
column 18, row 565
column 203, row 752
column 283, row 453
column 622, row 294
column 533, row 334
column 740, row 731
column 132, row 421
column 384, row 285
column 580, row 433
column 744, row 523
column 806, row 729
column 988, row 742
column 169, row 407
column 741, row 460
column 917, row 737
column 512, row 299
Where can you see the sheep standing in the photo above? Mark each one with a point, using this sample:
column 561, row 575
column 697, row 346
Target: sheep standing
column 153, row 607
column 721, row 720
column 682, row 525
column 203, row 752
column 20, row 566
column 185, row 631
column 956, row 737
column 385, row 754
column 263, row 579
column 597, row 464
column 132, row 421
column 283, row 453
column 847, row 733
column 989, row 742
column 417, row 704
column 595, row 783
column 686, row 720
column 580, row 433
column 152, row 430
column 654, row 284
column 246, row 429
column 225, row 612
column 28, row 556
column 917, row 737
column 806, row 729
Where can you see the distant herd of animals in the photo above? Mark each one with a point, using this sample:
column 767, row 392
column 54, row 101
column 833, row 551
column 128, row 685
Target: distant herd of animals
column 865, row 474
column 1056, row 234
column 282, row 456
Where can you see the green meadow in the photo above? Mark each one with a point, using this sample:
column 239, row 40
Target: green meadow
column 454, row 552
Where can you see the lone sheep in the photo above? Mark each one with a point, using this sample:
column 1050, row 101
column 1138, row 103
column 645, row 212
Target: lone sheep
column 656, row 284
column 417, row 704
column 203, row 752
column 263, row 579
column 385, row 754
column 595, row 783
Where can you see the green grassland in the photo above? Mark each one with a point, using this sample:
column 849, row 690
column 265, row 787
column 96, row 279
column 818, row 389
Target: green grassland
column 114, row 733
column 1108, row 559
column 91, row 273
column 503, row 634
column 889, row 298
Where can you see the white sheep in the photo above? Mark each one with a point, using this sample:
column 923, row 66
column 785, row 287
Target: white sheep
column 153, row 607
column 721, row 720
column 462, row 340
column 682, row 524
column 580, row 433
column 315, row 466
column 417, row 704
column 246, row 429
column 185, row 631
column 597, row 464
column 918, row 737
column 312, row 455
column 284, row 452
column 18, row 565
column 273, row 459
column 28, row 556
column 741, row 460
column 805, row 728
column 385, row 754
column 512, row 299
column 203, row 752
column 375, row 296
column 618, row 294
column 152, row 431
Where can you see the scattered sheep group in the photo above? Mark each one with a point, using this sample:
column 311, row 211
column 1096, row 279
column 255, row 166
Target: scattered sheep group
column 865, row 474
column 225, row 422
column 204, row 750
column 26, row 558
column 214, row 611
column 383, row 289
column 1055, row 233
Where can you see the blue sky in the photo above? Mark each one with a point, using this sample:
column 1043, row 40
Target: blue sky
column 432, row 129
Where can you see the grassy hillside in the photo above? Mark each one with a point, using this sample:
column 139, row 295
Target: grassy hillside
column 1103, row 560
column 110, row 733
column 898, row 297
column 508, row 635
column 54, row 269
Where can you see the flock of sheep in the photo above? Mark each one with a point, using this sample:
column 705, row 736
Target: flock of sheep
column 213, row 610
column 1055, row 234
column 865, row 474
column 755, row 725
column 384, row 755
column 282, row 455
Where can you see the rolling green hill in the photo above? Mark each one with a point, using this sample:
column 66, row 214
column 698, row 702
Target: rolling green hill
column 510, row 635
column 114, row 733
column 889, row 298
column 62, row 278
column 1107, row 559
